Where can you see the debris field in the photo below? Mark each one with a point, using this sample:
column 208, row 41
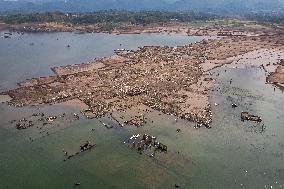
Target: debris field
column 173, row 80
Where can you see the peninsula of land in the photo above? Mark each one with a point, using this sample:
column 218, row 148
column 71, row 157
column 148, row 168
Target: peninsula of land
column 173, row 80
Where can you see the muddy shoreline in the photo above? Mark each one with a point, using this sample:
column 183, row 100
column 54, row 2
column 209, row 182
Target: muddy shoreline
column 170, row 28
column 172, row 80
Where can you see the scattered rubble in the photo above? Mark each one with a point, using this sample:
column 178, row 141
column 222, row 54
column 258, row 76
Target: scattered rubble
column 51, row 118
column 172, row 80
column 85, row 147
column 250, row 117
column 107, row 126
column 234, row 105
column 77, row 184
column 177, row 186
column 138, row 121
column 42, row 121
column 23, row 124
column 277, row 77
column 146, row 144
column 222, row 30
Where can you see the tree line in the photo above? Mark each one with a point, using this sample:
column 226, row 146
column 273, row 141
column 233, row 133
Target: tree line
column 141, row 17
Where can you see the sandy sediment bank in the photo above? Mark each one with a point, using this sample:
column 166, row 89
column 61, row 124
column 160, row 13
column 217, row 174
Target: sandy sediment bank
column 173, row 80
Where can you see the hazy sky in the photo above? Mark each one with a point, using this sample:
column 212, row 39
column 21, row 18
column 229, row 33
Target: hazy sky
column 59, row 0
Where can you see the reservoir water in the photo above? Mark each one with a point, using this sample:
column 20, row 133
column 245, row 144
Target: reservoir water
column 233, row 154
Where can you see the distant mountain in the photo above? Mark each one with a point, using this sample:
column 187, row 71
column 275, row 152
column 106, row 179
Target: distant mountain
column 82, row 5
column 229, row 6
column 215, row 6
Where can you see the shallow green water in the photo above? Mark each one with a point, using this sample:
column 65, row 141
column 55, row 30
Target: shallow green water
column 233, row 154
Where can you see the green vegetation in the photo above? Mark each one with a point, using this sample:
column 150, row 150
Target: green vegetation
column 140, row 18
column 109, row 20
column 33, row 18
column 272, row 17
